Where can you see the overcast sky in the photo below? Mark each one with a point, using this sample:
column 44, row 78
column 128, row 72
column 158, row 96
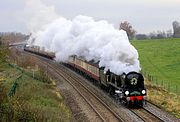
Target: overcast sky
column 144, row 15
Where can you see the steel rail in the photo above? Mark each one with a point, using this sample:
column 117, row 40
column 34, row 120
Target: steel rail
column 66, row 77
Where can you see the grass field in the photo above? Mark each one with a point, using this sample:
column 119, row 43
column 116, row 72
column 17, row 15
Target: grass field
column 161, row 59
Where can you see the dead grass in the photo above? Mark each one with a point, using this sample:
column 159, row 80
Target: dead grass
column 159, row 96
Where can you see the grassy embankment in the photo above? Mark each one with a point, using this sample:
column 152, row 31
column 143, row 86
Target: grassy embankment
column 34, row 100
column 161, row 59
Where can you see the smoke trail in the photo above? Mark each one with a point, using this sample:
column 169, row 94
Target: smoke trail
column 36, row 14
column 90, row 39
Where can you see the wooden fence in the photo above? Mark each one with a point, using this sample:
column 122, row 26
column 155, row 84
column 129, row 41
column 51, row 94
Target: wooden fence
column 167, row 85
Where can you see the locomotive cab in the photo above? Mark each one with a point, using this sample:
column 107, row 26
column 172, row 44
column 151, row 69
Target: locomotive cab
column 134, row 90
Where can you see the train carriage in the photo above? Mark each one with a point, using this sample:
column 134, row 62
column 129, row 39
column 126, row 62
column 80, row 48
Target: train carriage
column 85, row 67
column 38, row 51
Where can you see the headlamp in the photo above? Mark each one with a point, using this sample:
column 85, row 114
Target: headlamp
column 143, row 91
column 126, row 92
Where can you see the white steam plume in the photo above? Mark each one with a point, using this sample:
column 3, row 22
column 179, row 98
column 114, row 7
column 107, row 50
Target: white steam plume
column 36, row 14
column 91, row 39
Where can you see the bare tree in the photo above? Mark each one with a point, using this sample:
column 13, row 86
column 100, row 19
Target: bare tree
column 176, row 28
column 128, row 28
column 12, row 37
column 4, row 51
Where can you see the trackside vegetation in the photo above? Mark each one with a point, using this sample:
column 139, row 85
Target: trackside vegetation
column 32, row 100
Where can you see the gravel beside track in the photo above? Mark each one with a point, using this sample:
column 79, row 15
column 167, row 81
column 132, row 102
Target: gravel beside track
column 160, row 113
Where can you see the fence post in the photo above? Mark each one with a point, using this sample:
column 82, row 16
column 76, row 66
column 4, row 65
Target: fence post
column 169, row 87
column 156, row 82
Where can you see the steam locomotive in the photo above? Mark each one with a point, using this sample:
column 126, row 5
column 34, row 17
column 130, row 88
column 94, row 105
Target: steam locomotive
column 128, row 88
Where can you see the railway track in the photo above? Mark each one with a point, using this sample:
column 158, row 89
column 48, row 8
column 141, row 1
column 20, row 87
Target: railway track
column 157, row 111
column 102, row 110
column 146, row 115
column 107, row 114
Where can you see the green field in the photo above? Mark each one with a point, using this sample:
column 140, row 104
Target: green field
column 161, row 59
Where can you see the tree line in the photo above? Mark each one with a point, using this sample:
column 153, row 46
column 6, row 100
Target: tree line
column 12, row 37
column 5, row 39
column 132, row 33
